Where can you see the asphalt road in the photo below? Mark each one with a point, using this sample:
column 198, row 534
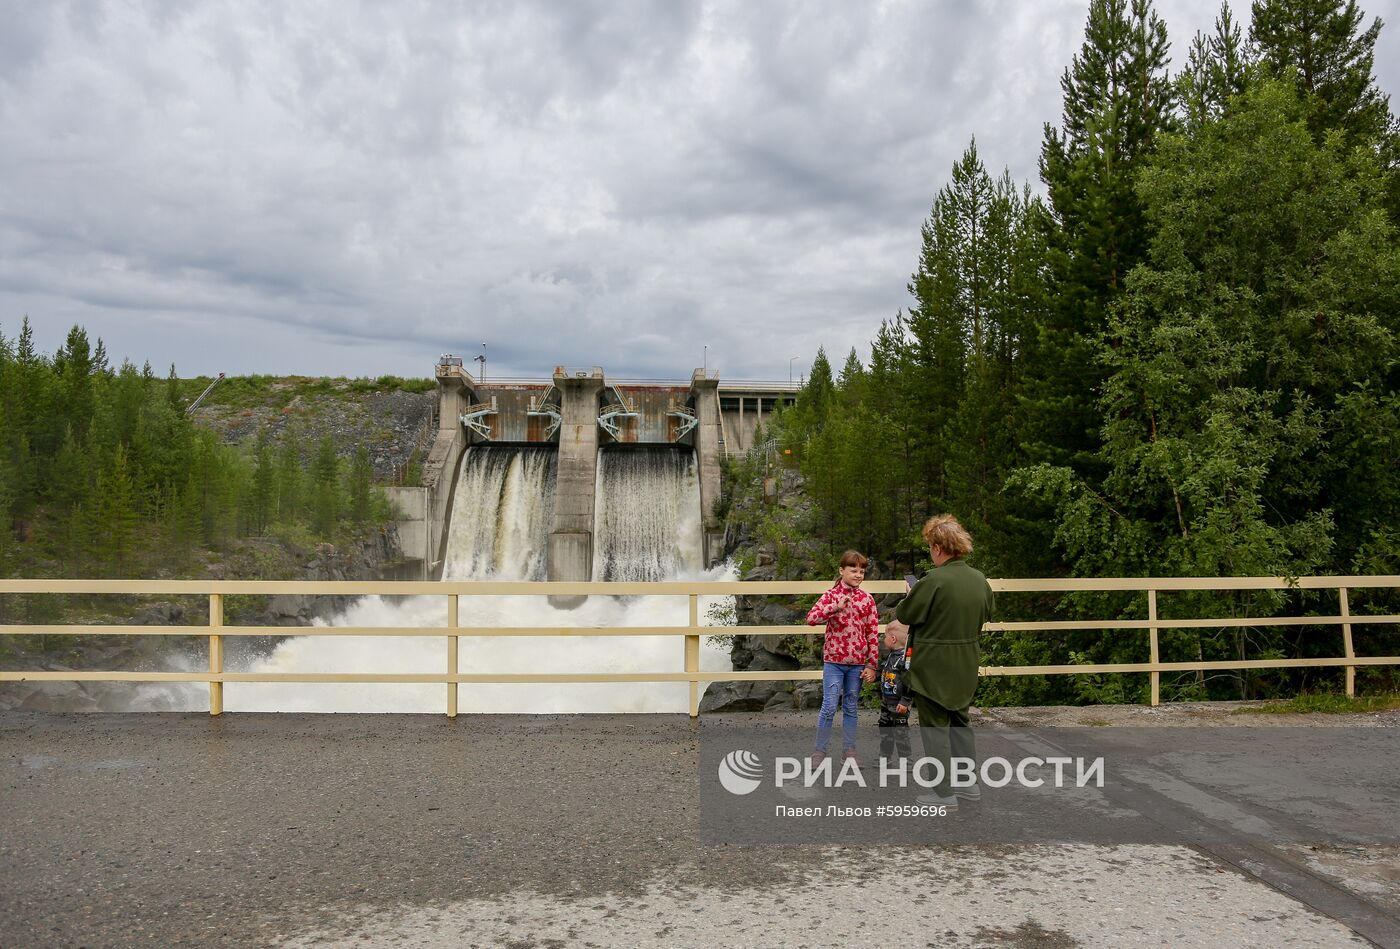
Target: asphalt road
column 265, row 829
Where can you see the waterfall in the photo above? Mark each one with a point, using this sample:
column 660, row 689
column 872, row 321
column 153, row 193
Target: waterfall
column 501, row 513
column 646, row 515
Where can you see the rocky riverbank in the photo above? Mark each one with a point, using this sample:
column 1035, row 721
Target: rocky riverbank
column 373, row 556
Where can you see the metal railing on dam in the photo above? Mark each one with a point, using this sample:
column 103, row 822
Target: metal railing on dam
column 216, row 590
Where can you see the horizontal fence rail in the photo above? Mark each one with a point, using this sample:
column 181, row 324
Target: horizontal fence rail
column 215, row 630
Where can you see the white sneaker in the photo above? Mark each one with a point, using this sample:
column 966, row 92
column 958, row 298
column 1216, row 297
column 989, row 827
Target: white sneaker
column 937, row 800
column 972, row 793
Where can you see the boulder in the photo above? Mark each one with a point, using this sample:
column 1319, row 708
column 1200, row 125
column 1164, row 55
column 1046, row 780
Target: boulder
column 807, row 695
column 160, row 614
column 780, row 702
column 738, row 696
column 57, row 697
column 753, row 653
column 763, row 570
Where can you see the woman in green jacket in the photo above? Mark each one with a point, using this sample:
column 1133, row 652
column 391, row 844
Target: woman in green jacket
column 945, row 612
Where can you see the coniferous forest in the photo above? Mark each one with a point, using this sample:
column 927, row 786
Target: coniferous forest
column 104, row 474
column 1179, row 358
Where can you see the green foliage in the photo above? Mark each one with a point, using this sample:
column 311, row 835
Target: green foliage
column 1218, row 68
column 1187, row 363
column 325, row 493
column 1319, row 46
column 102, row 474
column 1117, row 100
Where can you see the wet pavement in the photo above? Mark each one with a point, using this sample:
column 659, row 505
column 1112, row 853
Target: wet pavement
column 311, row 830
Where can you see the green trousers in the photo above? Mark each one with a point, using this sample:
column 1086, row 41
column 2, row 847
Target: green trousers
column 945, row 734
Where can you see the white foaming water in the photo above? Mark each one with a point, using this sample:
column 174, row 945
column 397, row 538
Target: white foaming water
column 501, row 513
column 500, row 525
column 647, row 515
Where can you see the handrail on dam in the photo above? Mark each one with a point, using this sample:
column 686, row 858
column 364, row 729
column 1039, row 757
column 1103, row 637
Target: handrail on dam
column 452, row 676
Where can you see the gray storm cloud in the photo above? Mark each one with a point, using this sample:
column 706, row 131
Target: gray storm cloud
column 355, row 188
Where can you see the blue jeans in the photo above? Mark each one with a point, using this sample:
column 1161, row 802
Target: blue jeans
column 840, row 683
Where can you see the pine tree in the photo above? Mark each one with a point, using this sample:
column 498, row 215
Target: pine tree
column 1319, row 45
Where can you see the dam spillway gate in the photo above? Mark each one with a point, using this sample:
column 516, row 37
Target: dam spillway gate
column 581, row 416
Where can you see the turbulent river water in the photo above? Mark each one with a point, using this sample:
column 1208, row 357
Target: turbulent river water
column 647, row 518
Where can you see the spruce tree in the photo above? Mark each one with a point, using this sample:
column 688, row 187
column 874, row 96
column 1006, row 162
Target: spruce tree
column 172, row 391
column 290, row 481
column 125, row 397
column 75, row 367
column 361, row 487
column 1117, row 100
column 115, row 515
column 1217, row 70
column 809, row 412
column 325, row 489
column 262, row 497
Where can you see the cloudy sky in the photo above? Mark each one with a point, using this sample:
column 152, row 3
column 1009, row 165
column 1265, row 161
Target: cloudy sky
column 354, row 188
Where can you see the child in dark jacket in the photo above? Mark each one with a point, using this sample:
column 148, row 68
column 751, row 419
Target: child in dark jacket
column 896, row 698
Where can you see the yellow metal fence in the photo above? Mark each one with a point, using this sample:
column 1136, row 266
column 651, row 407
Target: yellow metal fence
column 452, row 676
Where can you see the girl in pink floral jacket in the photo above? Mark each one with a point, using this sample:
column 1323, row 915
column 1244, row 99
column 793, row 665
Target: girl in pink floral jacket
column 851, row 652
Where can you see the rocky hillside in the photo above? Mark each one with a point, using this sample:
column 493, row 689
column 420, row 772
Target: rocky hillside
column 391, row 417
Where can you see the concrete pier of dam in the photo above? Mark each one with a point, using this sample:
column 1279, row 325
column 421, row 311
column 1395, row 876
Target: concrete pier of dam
column 579, row 412
column 570, row 555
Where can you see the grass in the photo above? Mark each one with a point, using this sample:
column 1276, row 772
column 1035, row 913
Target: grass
column 1328, row 703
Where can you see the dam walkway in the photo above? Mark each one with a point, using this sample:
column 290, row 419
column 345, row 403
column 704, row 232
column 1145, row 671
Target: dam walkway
column 417, row 830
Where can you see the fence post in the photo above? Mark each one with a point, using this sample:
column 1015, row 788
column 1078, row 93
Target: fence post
column 1154, row 675
column 1346, row 642
column 216, row 653
column 692, row 654
column 452, row 642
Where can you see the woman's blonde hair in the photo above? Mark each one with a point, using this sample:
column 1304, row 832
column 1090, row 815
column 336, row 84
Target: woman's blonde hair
column 945, row 532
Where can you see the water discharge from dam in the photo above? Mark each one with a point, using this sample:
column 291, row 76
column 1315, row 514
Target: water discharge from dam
column 501, row 514
column 648, row 515
column 649, row 529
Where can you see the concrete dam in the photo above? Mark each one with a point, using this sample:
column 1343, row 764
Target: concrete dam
column 578, row 476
